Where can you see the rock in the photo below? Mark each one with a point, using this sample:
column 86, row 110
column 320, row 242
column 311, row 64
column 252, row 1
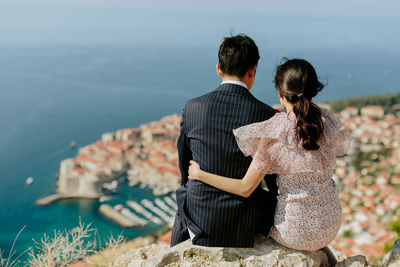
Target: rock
column 355, row 261
column 394, row 256
column 266, row 252
column 114, row 256
column 338, row 255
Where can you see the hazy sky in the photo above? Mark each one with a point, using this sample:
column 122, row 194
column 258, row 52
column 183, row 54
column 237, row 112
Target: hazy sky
column 290, row 23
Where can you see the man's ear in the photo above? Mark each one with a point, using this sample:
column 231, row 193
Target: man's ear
column 219, row 73
column 251, row 73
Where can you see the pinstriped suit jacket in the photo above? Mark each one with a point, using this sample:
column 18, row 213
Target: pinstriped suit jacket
column 218, row 218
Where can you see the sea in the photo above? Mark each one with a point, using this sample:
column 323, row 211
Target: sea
column 52, row 95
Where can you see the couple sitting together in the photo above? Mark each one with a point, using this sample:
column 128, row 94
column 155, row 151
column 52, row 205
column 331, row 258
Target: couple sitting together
column 230, row 142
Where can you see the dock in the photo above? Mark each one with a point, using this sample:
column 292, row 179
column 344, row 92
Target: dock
column 55, row 197
column 171, row 202
column 139, row 209
column 148, row 204
column 164, row 207
column 116, row 217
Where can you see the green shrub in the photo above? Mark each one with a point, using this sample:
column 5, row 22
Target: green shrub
column 348, row 233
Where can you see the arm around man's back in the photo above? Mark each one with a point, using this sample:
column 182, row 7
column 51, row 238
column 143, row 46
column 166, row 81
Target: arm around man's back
column 184, row 152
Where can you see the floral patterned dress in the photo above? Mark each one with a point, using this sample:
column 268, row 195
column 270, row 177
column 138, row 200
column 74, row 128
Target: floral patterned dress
column 308, row 213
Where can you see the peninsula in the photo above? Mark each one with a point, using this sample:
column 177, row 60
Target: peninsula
column 145, row 155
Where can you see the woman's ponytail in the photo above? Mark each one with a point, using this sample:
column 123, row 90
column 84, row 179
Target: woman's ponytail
column 309, row 123
column 297, row 80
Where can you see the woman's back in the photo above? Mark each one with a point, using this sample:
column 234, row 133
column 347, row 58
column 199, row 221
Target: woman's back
column 308, row 213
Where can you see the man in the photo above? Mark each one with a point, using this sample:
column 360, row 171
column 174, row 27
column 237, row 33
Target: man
column 211, row 217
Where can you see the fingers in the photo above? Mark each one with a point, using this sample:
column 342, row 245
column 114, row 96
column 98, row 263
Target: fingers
column 192, row 171
column 194, row 163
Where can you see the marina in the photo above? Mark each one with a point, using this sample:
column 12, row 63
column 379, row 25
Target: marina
column 148, row 204
column 116, row 216
column 139, row 209
column 170, row 202
column 140, row 215
column 130, row 215
column 164, row 207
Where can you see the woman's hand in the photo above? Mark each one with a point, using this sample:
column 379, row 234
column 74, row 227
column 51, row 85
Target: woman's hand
column 194, row 170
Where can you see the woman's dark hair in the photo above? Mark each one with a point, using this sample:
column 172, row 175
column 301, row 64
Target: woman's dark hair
column 297, row 80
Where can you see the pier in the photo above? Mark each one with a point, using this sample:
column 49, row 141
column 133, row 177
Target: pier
column 116, row 217
column 164, row 206
column 139, row 209
column 148, row 204
column 171, row 202
column 55, row 197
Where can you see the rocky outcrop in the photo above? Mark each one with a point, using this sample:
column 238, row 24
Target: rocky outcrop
column 394, row 256
column 355, row 261
column 266, row 252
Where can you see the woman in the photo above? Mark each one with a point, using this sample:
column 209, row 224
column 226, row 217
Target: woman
column 300, row 146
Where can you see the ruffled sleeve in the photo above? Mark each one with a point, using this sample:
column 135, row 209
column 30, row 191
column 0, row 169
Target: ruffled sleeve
column 254, row 137
column 336, row 133
column 275, row 147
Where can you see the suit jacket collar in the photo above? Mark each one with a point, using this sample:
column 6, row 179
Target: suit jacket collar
column 234, row 88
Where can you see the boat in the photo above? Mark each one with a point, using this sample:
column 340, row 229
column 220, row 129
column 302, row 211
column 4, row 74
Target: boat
column 72, row 144
column 105, row 198
column 111, row 186
column 171, row 202
column 29, row 180
column 132, row 216
column 118, row 207
column 164, row 206
column 148, row 204
column 139, row 209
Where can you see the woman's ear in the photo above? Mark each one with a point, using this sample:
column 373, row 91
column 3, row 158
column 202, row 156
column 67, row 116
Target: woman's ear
column 280, row 94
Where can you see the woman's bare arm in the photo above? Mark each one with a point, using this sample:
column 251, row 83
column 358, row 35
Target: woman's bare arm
column 242, row 187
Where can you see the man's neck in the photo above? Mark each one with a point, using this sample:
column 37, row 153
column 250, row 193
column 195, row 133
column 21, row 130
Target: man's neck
column 236, row 82
column 227, row 78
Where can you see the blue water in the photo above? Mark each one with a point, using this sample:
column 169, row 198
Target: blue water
column 52, row 95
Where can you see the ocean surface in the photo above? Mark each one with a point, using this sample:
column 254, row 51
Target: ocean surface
column 52, row 95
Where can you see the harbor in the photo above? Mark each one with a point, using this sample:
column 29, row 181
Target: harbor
column 134, row 214
column 145, row 156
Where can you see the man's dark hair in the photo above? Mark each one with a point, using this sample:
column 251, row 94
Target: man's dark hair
column 237, row 54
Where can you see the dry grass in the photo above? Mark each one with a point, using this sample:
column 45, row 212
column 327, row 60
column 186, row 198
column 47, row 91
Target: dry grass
column 78, row 244
column 64, row 248
column 111, row 254
column 12, row 259
column 107, row 256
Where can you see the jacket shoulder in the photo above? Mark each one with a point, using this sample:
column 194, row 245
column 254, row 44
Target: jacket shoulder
column 262, row 107
column 195, row 102
column 201, row 98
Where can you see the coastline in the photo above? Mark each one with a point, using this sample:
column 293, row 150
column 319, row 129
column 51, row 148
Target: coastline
column 373, row 129
column 145, row 155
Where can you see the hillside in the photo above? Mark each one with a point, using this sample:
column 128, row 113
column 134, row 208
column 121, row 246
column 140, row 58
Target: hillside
column 387, row 101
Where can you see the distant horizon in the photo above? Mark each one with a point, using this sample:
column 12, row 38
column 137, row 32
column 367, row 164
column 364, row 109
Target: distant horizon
column 285, row 24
